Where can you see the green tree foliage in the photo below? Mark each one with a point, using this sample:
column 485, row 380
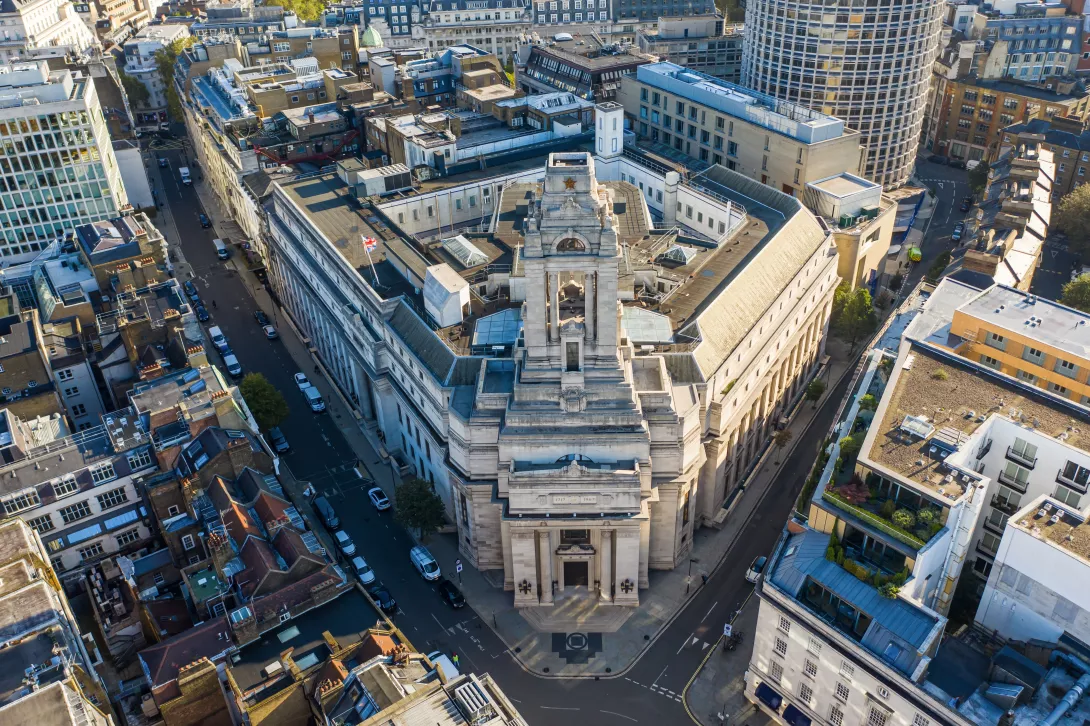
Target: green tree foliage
column 732, row 10
column 868, row 403
column 134, row 89
column 904, row 519
column 815, row 390
column 1072, row 217
column 941, row 263
column 850, row 445
column 1076, row 294
column 307, row 10
column 164, row 61
column 264, row 401
column 853, row 316
column 418, row 507
column 978, row 177
column 782, row 438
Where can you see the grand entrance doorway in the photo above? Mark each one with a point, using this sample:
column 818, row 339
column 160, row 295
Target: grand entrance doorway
column 576, row 573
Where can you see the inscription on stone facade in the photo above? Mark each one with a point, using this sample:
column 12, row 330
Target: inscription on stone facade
column 575, row 499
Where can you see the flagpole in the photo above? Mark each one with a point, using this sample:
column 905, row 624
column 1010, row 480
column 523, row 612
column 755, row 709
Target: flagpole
column 367, row 249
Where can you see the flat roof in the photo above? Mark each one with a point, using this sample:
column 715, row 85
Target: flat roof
column 1056, row 325
column 841, row 185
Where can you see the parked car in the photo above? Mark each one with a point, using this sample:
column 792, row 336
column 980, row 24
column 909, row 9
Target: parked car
column 205, row 221
column 344, row 543
column 326, row 512
column 756, row 568
column 233, row 366
column 957, row 163
column 966, row 204
column 278, row 440
column 301, row 381
column 384, row 599
column 190, row 290
column 938, row 159
column 363, row 570
column 959, row 230
column 202, row 314
column 270, row 332
column 163, row 163
column 450, row 594
column 424, row 563
column 378, row 498
column 219, row 339
column 261, row 318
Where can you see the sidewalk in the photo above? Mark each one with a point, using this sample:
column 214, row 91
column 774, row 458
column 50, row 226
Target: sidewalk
column 546, row 654
column 719, row 686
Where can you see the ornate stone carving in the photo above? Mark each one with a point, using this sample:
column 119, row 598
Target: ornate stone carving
column 573, row 400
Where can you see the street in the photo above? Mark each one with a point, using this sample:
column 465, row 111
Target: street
column 951, row 186
column 650, row 692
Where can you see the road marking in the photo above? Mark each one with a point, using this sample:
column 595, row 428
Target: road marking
column 683, row 644
column 614, row 713
column 557, row 708
column 705, row 646
column 709, row 611
column 441, row 627
column 660, row 675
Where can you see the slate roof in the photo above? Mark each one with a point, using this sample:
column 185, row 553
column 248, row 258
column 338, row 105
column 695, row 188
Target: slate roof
column 164, row 660
column 894, row 621
column 152, row 562
column 1053, row 136
column 422, row 341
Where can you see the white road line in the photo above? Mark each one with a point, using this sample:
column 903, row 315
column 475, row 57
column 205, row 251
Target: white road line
column 557, row 708
column 709, row 611
column 437, row 622
column 614, row 713
column 683, row 644
column 661, row 674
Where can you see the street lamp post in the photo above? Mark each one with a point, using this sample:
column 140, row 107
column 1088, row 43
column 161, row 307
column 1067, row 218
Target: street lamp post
column 689, row 577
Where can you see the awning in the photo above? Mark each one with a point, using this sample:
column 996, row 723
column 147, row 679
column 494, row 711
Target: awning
column 768, row 696
column 795, row 717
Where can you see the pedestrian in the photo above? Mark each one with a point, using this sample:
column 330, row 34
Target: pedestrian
column 703, row 578
column 214, row 306
column 454, row 658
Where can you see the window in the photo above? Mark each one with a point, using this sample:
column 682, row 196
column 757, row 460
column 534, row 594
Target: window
column 1057, row 388
column 990, row 542
column 21, row 501
column 75, row 512
column 79, row 410
column 806, row 693
column 990, row 362
column 1066, row 368
column 982, row 567
column 810, row 668
column 140, row 459
column 1068, row 496
column 65, row 375
column 836, row 716
column 842, row 691
column 847, row 669
column 732, row 148
column 65, row 486
column 775, row 671
column 785, row 625
column 72, row 391
column 188, row 543
column 995, row 341
column 781, row 647
column 173, row 510
column 814, row 646
column 1076, row 474
column 90, row 551
column 1065, row 610
column 112, row 498
column 1027, row 377
column 103, row 473
column 1024, row 450
column 128, row 537
column 42, row 524
column 1014, row 474
column 921, row 720
column 877, row 717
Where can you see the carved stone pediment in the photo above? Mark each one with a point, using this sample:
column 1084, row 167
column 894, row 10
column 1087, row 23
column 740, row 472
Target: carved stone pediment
column 573, row 400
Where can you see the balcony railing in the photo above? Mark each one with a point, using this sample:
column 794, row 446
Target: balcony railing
column 873, row 520
column 1003, row 505
column 1022, row 459
column 1018, row 486
column 1062, row 478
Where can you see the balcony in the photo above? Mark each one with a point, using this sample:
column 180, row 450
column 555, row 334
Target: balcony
column 873, row 520
column 1003, row 505
column 1021, row 459
column 1013, row 483
column 1062, row 478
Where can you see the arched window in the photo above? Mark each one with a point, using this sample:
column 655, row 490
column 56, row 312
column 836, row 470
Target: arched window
column 571, row 244
column 574, row 457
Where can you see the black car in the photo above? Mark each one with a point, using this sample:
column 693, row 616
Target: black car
column 202, row 314
column 278, row 440
column 162, row 162
column 937, row 159
column 205, row 221
column 958, row 164
column 261, row 318
column 966, row 204
column 450, row 594
column 190, row 289
column 384, row 599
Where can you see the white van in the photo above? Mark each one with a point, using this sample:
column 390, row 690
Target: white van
column 221, row 249
column 449, row 669
column 233, row 366
column 184, row 174
column 424, row 563
column 317, row 405
column 218, row 339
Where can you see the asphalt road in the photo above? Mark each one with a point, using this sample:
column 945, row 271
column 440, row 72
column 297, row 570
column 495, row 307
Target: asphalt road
column 649, row 693
column 951, row 186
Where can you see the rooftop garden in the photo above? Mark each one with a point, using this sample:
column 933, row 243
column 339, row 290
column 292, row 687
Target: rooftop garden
column 912, row 523
column 888, row 585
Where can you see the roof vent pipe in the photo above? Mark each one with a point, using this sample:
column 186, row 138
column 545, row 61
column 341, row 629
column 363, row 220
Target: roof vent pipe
column 1077, row 691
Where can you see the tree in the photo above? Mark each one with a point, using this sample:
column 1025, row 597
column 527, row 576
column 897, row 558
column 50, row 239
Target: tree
column 815, row 391
column 165, row 58
column 134, row 89
column 782, row 438
column 978, row 177
column 938, row 266
column 1072, row 217
column 264, row 401
column 418, row 507
column 850, row 445
column 853, row 316
column 307, row 10
column 1076, row 294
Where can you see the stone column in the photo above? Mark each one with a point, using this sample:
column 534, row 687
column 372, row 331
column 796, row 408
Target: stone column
column 605, row 559
column 590, row 301
column 545, row 566
column 524, row 567
column 554, row 307
column 628, row 566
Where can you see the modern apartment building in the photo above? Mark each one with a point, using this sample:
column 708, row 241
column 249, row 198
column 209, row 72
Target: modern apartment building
column 447, row 378
column 1068, row 139
column 43, row 28
column 140, row 63
column 590, row 15
column 58, row 168
column 867, row 65
column 782, row 145
column 698, row 42
column 627, row 12
column 493, row 25
column 581, row 66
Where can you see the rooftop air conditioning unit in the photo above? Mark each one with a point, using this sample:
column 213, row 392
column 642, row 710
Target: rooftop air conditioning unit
column 1041, row 513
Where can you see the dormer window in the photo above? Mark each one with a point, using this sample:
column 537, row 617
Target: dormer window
column 571, row 244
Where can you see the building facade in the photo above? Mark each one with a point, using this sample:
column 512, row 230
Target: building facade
column 636, row 12
column 779, row 144
column 1068, row 138
column 493, row 25
column 700, row 43
column 865, row 65
column 55, row 132
column 45, row 28
column 396, row 17
column 140, row 63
